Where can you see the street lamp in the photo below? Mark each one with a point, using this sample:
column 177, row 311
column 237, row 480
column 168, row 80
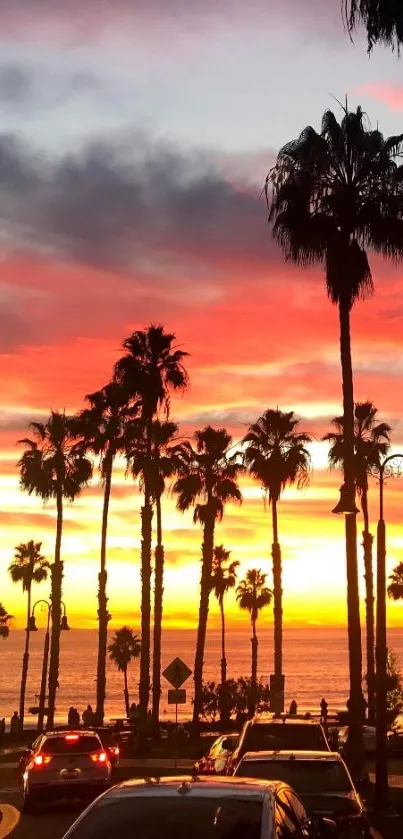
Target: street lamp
column 63, row 627
column 346, row 503
column 390, row 468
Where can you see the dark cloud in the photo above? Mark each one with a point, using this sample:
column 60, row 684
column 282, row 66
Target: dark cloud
column 120, row 202
column 33, row 87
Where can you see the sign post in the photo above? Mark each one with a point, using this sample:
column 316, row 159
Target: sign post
column 176, row 673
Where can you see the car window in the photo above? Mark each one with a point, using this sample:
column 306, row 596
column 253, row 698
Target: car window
column 288, row 826
column 71, row 745
column 202, row 818
column 267, row 736
column 304, row 776
column 297, row 806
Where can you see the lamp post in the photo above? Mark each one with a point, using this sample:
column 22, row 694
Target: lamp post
column 63, row 627
column 391, row 467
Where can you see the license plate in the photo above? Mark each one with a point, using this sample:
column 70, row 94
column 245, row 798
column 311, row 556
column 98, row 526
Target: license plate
column 68, row 774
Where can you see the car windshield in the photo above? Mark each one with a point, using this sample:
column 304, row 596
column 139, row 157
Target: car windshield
column 303, row 775
column 267, row 736
column 71, row 744
column 180, row 816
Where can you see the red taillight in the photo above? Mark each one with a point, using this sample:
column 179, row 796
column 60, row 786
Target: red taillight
column 99, row 757
column 116, row 751
column 42, row 760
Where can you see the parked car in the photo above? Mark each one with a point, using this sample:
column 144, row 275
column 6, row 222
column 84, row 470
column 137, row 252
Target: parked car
column 395, row 736
column 214, row 762
column 269, row 733
column 320, row 778
column 63, row 765
column 204, row 808
column 369, row 738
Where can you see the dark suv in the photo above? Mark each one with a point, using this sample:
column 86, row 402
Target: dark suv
column 270, row 733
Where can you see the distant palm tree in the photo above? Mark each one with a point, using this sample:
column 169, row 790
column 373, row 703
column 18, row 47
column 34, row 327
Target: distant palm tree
column 54, row 466
column 395, row 588
column 336, row 195
column 276, row 455
column 125, row 646
column 223, row 579
column 5, row 620
column 27, row 567
column 102, row 427
column 253, row 595
column 207, row 480
column 371, row 440
column 151, row 368
column 383, row 20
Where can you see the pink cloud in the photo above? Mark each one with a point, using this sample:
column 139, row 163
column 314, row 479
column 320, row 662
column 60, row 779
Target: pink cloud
column 389, row 94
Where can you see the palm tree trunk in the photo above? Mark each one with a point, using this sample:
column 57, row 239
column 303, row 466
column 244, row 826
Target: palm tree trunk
column 126, row 693
column 103, row 614
column 25, row 661
column 369, row 608
column 223, row 656
column 356, row 701
column 56, row 599
column 277, row 596
column 146, row 546
column 205, row 587
column 253, row 687
column 158, row 603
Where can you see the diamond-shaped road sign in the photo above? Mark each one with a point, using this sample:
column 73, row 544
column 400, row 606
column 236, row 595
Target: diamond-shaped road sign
column 177, row 672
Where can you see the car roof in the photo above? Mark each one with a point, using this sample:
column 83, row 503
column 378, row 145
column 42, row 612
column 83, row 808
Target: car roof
column 196, row 786
column 285, row 754
column 283, row 720
column 81, row 732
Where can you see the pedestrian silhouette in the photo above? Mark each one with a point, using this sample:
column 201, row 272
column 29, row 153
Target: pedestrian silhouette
column 15, row 723
column 88, row 716
column 293, row 708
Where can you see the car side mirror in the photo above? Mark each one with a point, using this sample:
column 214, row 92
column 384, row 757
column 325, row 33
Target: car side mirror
column 327, row 828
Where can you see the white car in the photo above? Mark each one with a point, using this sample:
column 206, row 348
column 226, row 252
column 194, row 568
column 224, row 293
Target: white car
column 65, row 764
column 201, row 808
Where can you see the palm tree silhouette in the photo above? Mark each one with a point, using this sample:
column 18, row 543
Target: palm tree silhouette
column 27, row 567
column 253, row 595
column 163, row 465
column 395, row 588
column 335, row 194
column 223, row 578
column 125, row 646
column 383, row 21
column 276, row 456
column 207, row 479
column 54, row 466
column 102, row 427
column 371, row 441
column 150, row 369
column 5, row 620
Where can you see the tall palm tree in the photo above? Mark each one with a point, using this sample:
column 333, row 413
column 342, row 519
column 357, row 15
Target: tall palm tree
column 223, row 578
column 102, row 427
column 125, row 646
column 28, row 566
column 395, row 588
column 150, row 369
column 334, row 195
column 54, row 466
column 371, row 441
column 383, row 20
column 5, row 620
column 207, row 479
column 276, row 455
column 164, row 463
column 253, row 595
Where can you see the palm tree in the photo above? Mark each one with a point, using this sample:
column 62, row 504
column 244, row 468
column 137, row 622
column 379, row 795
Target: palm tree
column 102, row 427
column 54, row 466
column 223, row 579
column 253, row 595
column 276, row 456
column 395, row 588
column 150, row 369
column 207, row 479
column 383, row 20
column 125, row 646
column 5, row 620
column 334, row 195
column 27, row 567
column 163, row 465
column 371, row 441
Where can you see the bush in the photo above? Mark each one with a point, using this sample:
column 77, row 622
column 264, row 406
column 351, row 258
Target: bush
column 235, row 699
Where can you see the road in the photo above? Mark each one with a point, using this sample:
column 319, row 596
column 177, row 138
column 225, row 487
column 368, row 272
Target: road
column 51, row 823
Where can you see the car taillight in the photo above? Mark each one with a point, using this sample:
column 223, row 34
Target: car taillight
column 98, row 757
column 42, row 760
column 116, row 751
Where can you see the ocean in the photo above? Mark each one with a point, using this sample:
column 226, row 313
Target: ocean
column 315, row 664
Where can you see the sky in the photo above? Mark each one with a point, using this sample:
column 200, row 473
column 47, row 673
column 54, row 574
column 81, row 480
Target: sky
column 135, row 138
